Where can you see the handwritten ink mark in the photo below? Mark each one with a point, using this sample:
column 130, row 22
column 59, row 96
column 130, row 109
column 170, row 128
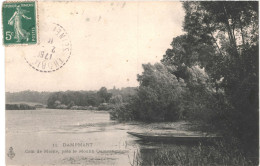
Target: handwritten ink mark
column 11, row 153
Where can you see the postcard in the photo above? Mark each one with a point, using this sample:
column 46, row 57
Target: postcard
column 131, row 83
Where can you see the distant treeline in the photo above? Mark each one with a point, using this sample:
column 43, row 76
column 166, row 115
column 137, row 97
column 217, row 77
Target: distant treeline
column 86, row 99
column 19, row 107
column 75, row 99
column 28, row 96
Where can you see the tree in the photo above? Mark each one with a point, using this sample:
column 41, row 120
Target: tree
column 104, row 95
column 159, row 94
column 222, row 38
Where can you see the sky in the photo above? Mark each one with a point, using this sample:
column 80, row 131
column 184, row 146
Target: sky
column 109, row 43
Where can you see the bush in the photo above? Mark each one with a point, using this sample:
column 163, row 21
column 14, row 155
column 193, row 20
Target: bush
column 104, row 106
column 122, row 112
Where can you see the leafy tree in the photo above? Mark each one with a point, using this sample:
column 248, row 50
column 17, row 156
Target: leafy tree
column 104, row 95
column 159, row 95
column 222, row 38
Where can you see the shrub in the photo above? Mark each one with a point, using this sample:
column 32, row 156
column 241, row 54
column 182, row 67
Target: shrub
column 122, row 112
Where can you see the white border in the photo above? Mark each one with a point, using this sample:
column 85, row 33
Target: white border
column 2, row 89
column 2, row 97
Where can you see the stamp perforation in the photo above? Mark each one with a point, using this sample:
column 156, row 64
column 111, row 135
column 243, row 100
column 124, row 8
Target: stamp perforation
column 36, row 16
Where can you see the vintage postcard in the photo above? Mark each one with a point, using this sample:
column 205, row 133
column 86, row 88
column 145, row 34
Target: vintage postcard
column 131, row 83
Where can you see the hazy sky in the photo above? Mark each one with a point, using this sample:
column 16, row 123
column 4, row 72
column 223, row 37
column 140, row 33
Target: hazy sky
column 110, row 42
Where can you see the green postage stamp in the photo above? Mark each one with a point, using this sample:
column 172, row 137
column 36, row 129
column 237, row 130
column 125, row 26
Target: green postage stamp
column 19, row 23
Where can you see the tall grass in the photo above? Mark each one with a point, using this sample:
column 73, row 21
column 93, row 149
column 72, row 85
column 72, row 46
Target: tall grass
column 201, row 155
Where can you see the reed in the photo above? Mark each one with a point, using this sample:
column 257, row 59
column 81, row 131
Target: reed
column 202, row 155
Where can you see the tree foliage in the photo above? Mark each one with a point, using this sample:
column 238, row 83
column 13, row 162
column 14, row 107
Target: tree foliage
column 222, row 38
column 158, row 96
column 209, row 75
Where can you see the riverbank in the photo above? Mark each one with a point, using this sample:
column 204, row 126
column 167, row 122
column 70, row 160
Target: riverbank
column 217, row 154
column 102, row 106
column 185, row 128
column 212, row 152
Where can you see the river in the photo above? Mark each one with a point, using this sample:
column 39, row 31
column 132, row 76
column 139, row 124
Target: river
column 65, row 137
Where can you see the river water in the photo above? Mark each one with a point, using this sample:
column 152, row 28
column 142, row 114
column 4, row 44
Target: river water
column 65, row 137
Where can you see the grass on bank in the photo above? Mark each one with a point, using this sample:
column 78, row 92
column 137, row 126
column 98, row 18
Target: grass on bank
column 201, row 155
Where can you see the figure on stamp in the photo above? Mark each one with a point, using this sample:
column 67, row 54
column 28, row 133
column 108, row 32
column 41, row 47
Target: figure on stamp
column 16, row 21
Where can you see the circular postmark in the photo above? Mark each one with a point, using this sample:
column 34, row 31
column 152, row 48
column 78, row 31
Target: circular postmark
column 53, row 52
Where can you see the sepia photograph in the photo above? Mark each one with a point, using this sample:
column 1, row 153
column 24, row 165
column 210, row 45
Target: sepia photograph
column 131, row 83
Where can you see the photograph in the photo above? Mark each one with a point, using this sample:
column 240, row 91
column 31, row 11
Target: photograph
column 131, row 83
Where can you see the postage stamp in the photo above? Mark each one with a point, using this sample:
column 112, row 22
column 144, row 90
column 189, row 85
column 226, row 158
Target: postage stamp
column 19, row 23
column 54, row 50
